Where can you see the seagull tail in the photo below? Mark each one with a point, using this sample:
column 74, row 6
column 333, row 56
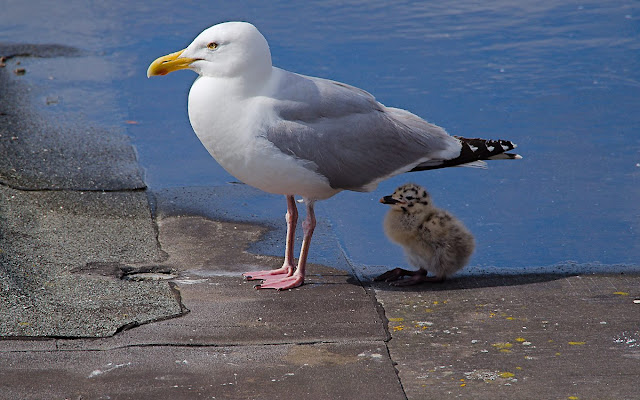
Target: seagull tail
column 473, row 152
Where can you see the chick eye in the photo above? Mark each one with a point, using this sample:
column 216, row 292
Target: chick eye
column 212, row 46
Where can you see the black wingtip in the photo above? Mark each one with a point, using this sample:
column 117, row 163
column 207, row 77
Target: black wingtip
column 473, row 150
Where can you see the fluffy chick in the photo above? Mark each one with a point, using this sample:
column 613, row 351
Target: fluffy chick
column 433, row 240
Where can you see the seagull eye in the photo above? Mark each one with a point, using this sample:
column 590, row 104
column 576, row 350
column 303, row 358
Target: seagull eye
column 212, row 46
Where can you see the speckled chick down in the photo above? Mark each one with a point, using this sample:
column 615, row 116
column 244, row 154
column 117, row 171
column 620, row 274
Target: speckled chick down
column 433, row 239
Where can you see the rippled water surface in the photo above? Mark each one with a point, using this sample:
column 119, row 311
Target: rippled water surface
column 561, row 79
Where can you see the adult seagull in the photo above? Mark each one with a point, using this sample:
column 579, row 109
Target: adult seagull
column 292, row 134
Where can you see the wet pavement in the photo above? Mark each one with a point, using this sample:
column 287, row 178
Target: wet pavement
column 111, row 290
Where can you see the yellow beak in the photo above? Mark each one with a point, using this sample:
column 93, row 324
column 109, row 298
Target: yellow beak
column 169, row 63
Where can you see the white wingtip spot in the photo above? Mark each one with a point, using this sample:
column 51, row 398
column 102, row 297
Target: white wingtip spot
column 474, row 164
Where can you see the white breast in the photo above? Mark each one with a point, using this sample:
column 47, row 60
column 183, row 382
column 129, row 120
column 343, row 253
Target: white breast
column 230, row 127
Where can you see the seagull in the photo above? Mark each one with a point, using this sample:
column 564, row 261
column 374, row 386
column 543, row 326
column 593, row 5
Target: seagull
column 433, row 240
column 297, row 135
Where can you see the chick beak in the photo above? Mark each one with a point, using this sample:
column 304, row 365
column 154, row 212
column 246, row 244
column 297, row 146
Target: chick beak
column 389, row 200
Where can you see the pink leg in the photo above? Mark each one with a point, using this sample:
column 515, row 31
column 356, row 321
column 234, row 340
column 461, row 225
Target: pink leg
column 297, row 279
column 288, row 265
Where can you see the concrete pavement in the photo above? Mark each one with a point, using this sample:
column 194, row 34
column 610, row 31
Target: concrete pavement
column 109, row 290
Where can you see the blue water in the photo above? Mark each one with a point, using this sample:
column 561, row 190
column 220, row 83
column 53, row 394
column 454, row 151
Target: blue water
column 561, row 79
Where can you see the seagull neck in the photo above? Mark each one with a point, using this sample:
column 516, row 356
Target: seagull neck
column 250, row 83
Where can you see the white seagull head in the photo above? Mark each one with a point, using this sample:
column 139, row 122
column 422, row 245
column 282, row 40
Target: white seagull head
column 227, row 50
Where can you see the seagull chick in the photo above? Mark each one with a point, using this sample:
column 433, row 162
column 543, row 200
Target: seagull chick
column 433, row 240
column 292, row 134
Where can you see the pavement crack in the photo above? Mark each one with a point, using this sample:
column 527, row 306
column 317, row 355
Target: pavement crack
column 393, row 364
column 60, row 347
column 370, row 291
column 178, row 296
column 385, row 324
column 231, row 345
column 381, row 312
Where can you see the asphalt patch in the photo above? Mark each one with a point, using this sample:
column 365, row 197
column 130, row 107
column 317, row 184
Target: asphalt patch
column 46, row 237
column 70, row 153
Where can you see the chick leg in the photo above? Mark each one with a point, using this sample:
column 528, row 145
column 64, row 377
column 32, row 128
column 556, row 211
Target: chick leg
column 393, row 275
column 415, row 277
column 418, row 277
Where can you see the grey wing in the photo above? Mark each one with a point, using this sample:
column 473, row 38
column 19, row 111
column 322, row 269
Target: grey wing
column 352, row 140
